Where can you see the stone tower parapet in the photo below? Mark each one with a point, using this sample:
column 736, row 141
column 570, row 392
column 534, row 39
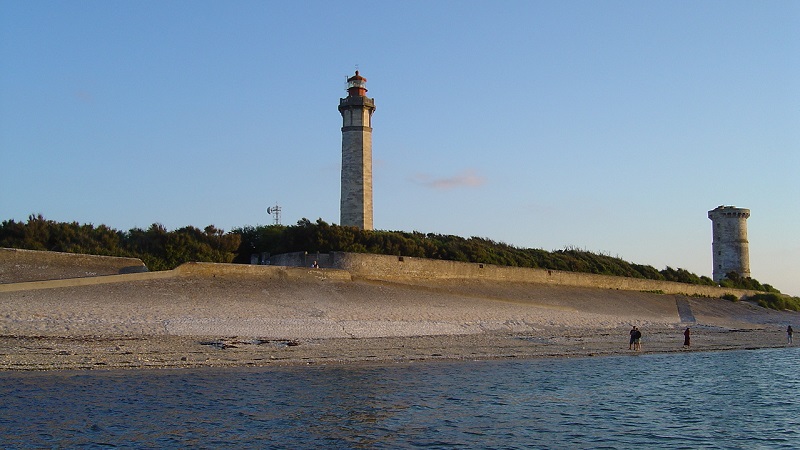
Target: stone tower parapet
column 730, row 248
column 356, row 110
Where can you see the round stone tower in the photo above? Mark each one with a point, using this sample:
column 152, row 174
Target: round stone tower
column 356, row 110
column 729, row 246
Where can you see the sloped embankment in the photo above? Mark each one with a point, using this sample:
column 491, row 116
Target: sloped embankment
column 17, row 265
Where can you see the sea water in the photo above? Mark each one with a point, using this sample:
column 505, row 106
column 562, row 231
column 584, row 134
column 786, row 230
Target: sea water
column 733, row 399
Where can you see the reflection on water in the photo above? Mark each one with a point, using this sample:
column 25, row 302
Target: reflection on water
column 741, row 399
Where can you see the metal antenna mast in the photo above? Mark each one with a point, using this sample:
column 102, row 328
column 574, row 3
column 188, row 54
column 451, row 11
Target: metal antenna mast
column 276, row 213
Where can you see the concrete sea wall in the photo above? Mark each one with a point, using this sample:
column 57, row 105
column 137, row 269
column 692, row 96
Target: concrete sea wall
column 261, row 272
column 26, row 269
column 17, row 265
column 201, row 270
column 404, row 268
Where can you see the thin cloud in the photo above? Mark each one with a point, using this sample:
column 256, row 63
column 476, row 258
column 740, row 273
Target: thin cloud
column 466, row 178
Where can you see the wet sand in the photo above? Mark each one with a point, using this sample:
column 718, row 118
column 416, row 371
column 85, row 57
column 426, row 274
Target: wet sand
column 195, row 321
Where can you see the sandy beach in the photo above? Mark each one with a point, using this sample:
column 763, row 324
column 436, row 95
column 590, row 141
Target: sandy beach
column 230, row 320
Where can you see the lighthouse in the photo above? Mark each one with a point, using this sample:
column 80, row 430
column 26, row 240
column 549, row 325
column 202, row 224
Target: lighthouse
column 729, row 245
column 356, row 110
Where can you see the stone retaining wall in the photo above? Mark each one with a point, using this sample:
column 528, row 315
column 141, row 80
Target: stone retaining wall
column 200, row 270
column 17, row 265
column 26, row 269
column 261, row 272
column 404, row 268
column 303, row 259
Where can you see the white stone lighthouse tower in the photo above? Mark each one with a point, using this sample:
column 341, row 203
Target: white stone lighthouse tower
column 729, row 245
column 356, row 110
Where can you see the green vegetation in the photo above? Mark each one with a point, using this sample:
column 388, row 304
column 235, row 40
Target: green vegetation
column 734, row 280
column 774, row 300
column 321, row 237
column 160, row 249
column 730, row 297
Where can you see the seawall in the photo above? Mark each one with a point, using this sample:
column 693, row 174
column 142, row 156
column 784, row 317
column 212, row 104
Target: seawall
column 408, row 269
column 27, row 269
column 17, row 265
column 199, row 270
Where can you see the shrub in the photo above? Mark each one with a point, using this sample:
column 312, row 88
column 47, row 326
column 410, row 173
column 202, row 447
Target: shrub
column 776, row 301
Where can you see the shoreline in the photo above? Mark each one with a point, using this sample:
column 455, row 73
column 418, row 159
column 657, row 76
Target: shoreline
column 56, row 353
column 221, row 320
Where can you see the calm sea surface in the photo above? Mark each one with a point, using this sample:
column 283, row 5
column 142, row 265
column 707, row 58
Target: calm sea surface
column 738, row 399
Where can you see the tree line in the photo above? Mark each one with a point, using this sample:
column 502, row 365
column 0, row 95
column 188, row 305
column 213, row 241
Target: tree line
column 158, row 248
column 322, row 237
column 161, row 249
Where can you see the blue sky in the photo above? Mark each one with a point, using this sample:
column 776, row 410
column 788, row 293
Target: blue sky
column 611, row 126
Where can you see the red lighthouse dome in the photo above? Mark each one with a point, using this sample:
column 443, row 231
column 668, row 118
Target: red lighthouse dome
column 357, row 86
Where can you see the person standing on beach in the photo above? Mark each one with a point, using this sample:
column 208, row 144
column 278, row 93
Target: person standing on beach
column 630, row 343
column 637, row 339
column 789, row 333
column 686, row 339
